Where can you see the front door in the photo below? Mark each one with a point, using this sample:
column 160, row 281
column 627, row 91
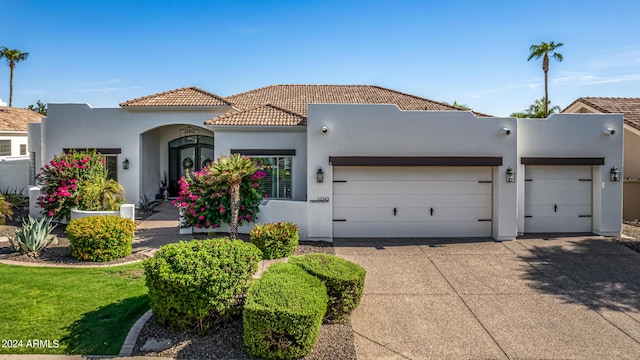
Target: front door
column 189, row 153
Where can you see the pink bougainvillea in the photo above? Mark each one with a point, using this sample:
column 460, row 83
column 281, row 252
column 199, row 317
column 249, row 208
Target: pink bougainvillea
column 205, row 200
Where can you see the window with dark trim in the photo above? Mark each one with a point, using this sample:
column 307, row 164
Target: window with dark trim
column 110, row 156
column 23, row 149
column 5, row 147
column 277, row 183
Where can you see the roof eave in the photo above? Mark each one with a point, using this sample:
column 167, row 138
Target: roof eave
column 287, row 128
column 175, row 108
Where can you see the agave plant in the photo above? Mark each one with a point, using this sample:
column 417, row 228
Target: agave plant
column 34, row 235
column 147, row 205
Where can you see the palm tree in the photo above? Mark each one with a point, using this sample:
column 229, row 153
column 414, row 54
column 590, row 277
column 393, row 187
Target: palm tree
column 102, row 194
column 536, row 110
column 542, row 51
column 232, row 169
column 13, row 57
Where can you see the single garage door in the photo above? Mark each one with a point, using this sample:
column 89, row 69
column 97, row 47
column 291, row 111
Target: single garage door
column 557, row 199
column 412, row 201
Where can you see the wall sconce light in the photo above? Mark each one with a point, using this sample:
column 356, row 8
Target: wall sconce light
column 511, row 175
column 614, row 174
column 320, row 175
column 125, row 164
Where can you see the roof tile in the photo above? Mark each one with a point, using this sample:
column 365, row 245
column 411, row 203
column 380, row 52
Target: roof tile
column 187, row 96
column 630, row 107
column 16, row 119
column 262, row 115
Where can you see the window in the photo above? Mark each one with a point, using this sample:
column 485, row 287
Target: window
column 23, row 149
column 277, row 183
column 111, row 166
column 5, row 147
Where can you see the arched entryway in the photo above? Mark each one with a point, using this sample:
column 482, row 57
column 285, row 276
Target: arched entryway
column 188, row 153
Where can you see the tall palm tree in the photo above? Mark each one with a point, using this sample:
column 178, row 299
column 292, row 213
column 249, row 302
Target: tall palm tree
column 232, row 169
column 13, row 57
column 542, row 50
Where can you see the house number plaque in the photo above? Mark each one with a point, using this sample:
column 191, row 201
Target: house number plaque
column 320, row 199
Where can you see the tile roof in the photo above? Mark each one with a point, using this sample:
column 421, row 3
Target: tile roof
column 187, row 96
column 261, row 115
column 295, row 99
column 16, row 119
column 630, row 107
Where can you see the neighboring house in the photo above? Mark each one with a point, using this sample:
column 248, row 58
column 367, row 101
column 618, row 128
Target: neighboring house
column 13, row 130
column 14, row 149
column 363, row 161
column 630, row 108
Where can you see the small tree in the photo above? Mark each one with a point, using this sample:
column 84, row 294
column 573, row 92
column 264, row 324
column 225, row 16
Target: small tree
column 101, row 194
column 232, row 169
column 39, row 107
column 536, row 110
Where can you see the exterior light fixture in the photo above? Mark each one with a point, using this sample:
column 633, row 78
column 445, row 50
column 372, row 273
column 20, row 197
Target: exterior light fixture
column 511, row 175
column 320, row 175
column 614, row 174
column 125, row 164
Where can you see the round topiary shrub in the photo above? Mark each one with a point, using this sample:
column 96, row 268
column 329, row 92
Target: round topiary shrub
column 194, row 284
column 276, row 240
column 283, row 313
column 344, row 281
column 100, row 238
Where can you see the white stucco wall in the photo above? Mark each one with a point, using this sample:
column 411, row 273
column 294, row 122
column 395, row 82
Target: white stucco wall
column 289, row 138
column 384, row 130
column 81, row 126
column 14, row 174
column 578, row 135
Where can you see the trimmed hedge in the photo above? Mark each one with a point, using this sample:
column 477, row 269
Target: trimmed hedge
column 194, row 284
column 276, row 240
column 344, row 281
column 100, row 238
column 283, row 313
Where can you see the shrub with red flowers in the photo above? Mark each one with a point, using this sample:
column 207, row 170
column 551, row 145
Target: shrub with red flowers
column 206, row 200
column 60, row 181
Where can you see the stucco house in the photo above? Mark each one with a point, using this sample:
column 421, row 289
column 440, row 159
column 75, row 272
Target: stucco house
column 364, row 161
column 14, row 149
column 630, row 108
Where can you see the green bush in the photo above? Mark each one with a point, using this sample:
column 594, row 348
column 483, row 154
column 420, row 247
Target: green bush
column 344, row 281
column 276, row 240
column 100, row 238
column 283, row 313
column 194, row 284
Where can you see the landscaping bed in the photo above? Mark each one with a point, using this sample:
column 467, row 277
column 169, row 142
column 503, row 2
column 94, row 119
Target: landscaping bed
column 631, row 229
column 335, row 341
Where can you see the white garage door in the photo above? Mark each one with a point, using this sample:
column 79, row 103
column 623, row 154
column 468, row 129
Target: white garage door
column 557, row 199
column 412, row 201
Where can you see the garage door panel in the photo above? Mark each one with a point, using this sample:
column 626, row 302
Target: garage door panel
column 558, row 172
column 562, row 211
column 553, row 198
column 558, row 199
column 571, row 185
column 435, row 173
column 417, row 200
column 557, row 224
column 416, row 187
column 411, row 229
column 364, row 197
column 411, row 214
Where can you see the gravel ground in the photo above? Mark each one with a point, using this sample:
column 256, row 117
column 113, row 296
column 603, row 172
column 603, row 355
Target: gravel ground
column 631, row 229
column 335, row 341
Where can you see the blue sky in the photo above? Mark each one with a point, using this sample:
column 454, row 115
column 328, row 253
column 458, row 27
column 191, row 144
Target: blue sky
column 474, row 52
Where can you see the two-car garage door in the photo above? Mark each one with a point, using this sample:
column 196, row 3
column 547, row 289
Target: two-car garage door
column 412, row 201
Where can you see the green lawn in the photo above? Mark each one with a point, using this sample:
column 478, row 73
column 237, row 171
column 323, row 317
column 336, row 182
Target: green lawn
column 85, row 311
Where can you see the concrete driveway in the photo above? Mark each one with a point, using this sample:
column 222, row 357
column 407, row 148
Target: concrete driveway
column 536, row 298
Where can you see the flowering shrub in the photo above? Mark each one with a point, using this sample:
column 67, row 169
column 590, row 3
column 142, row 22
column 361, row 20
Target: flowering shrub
column 275, row 240
column 61, row 179
column 206, row 200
